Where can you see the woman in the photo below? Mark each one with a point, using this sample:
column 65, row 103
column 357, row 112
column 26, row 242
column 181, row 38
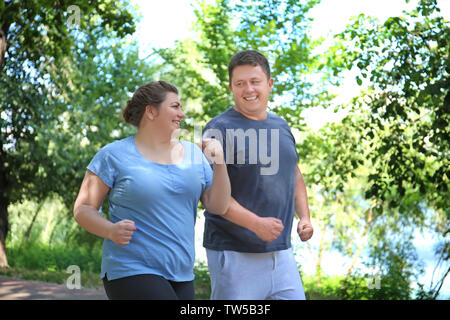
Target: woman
column 154, row 183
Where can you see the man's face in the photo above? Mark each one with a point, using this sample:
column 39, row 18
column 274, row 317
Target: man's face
column 251, row 90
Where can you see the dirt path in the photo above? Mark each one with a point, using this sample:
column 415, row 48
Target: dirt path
column 18, row 289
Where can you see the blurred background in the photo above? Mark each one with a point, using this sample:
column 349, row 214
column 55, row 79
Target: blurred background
column 364, row 85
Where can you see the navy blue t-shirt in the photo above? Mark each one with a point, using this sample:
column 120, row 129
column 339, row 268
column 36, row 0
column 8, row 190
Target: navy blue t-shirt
column 261, row 160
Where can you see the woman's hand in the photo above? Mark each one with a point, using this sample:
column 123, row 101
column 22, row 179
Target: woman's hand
column 213, row 150
column 121, row 232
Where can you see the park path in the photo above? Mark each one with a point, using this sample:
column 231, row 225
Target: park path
column 18, row 289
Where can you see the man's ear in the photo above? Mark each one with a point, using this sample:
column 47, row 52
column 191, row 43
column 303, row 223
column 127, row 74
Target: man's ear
column 270, row 83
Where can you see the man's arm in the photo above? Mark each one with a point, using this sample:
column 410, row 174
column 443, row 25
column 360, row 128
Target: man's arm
column 266, row 228
column 304, row 228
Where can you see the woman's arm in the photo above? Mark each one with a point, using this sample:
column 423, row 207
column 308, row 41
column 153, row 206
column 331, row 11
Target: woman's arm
column 216, row 197
column 92, row 192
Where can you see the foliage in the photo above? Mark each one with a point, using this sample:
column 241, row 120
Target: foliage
column 324, row 288
column 39, row 256
column 406, row 60
column 33, row 90
column 279, row 29
column 40, row 261
column 202, row 282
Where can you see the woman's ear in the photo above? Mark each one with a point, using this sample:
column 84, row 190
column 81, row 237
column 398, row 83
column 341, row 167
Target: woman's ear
column 150, row 112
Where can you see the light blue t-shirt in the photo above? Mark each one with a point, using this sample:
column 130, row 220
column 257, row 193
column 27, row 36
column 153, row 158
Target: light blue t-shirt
column 162, row 201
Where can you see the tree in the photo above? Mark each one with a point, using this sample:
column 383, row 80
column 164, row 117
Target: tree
column 407, row 62
column 406, row 111
column 35, row 93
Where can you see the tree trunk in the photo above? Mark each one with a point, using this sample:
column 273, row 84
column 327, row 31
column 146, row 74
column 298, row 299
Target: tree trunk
column 3, row 221
column 4, row 202
column 28, row 232
column 3, row 43
column 361, row 243
column 441, row 282
column 319, row 258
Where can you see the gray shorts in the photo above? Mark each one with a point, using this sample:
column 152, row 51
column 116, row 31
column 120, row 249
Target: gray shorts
column 254, row 276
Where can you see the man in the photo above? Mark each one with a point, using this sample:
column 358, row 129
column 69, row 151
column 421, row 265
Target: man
column 249, row 248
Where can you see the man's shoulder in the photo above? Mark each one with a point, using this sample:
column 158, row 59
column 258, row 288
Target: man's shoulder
column 276, row 118
column 221, row 120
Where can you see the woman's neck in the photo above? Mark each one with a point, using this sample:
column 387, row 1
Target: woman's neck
column 154, row 139
column 157, row 148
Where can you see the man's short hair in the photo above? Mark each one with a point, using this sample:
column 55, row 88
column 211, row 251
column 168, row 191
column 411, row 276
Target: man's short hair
column 248, row 57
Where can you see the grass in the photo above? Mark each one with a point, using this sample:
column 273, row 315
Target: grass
column 88, row 279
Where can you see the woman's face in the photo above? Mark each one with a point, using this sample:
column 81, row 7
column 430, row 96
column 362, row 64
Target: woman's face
column 169, row 114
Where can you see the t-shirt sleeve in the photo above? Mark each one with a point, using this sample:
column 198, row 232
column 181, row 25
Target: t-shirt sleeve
column 101, row 165
column 295, row 145
column 207, row 172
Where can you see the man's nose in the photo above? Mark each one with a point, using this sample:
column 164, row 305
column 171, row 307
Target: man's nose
column 248, row 87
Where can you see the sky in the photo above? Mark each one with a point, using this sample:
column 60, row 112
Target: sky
column 163, row 22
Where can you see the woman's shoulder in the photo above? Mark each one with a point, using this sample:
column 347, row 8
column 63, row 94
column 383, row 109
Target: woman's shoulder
column 117, row 146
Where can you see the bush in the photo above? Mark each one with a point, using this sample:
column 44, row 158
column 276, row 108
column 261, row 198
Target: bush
column 202, row 282
column 39, row 256
column 38, row 261
column 322, row 288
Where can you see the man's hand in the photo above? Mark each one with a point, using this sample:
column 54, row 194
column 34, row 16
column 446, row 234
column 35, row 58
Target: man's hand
column 305, row 230
column 268, row 228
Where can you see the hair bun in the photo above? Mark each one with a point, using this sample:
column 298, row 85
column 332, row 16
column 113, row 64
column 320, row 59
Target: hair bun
column 127, row 114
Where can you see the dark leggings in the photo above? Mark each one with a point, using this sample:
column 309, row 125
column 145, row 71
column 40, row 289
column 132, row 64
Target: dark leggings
column 148, row 287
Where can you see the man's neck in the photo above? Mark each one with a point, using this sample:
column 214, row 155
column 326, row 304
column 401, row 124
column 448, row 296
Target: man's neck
column 261, row 115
